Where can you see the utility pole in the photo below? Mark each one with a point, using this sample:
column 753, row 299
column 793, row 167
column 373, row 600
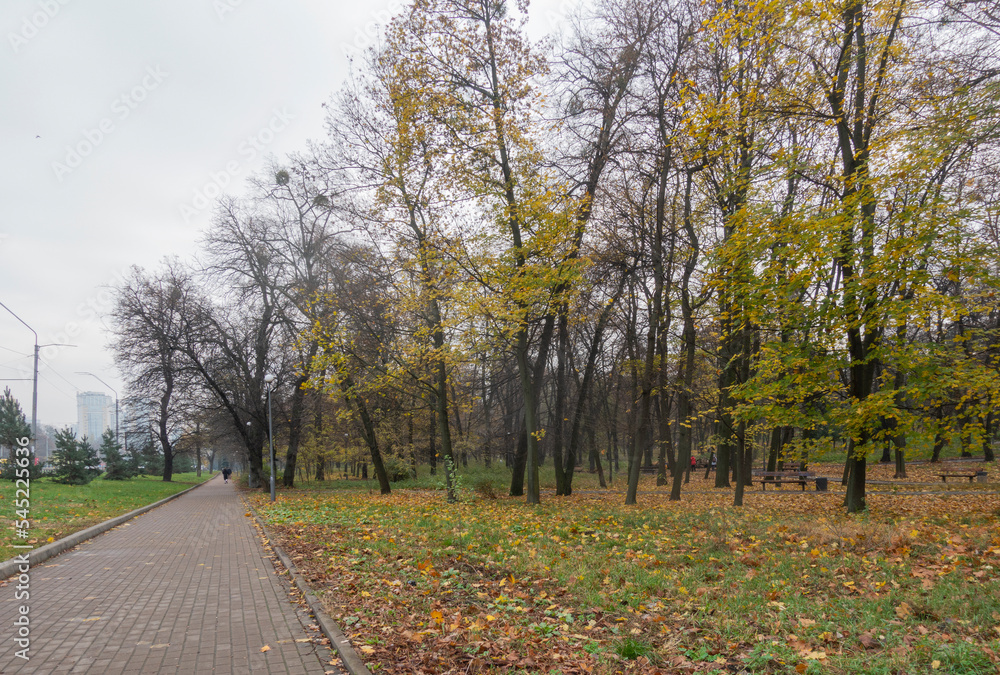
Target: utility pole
column 34, row 386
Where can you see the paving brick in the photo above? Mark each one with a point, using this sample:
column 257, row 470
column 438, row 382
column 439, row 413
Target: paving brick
column 184, row 588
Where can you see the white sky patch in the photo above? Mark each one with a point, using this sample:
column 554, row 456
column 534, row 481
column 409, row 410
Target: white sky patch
column 121, row 119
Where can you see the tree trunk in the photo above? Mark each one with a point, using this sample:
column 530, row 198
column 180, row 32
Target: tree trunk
column 432, row 440
column 296, row 415
column 530, row 419
column 526, row 466
column 563, row 475
column 520, row 461
column 409, row 442
column 585, row 385
column 444, row 429
column 162, row 431
column 685, row 394
column 939, row 442
column 294, row 432
column 197, row 448
column 988, row 437
column 369, row 434
column 320, row 447
column 666, row 458
column 595, row 457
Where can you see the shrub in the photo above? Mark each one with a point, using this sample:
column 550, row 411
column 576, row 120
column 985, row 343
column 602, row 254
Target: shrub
column 485, row 488
column 396, row 468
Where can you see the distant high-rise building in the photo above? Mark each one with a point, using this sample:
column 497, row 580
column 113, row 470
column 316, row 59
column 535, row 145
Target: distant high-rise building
column 95, row 412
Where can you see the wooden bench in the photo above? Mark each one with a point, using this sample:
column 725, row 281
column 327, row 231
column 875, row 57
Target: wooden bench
column 945, row 475
column 782, row 477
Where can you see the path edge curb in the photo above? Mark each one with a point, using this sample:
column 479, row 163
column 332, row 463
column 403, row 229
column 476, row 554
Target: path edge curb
column 350, row 658
column 9, row 568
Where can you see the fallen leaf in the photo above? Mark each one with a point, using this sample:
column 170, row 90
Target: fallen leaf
column 265, row 648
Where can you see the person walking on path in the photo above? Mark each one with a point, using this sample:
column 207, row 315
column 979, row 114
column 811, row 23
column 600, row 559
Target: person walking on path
column 184, row 588
column 226, row 472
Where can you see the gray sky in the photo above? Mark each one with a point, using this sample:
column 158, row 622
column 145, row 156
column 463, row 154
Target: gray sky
column 122, row 120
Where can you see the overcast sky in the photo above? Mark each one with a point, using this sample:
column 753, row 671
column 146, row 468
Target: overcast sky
column 122, row 120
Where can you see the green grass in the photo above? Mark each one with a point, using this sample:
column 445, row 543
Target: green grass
column 787, row 584
column 58, row 510
column 468, row 479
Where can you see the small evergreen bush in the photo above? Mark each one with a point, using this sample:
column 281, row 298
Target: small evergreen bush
column 116, row 465
column 75, row 461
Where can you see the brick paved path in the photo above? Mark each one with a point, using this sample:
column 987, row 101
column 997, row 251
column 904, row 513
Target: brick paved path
column 184, row 588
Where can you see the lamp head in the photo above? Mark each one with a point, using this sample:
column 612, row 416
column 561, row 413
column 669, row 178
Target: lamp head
column 269, row 378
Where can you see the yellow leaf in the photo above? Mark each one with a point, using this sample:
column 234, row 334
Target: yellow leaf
column 935, row 664
column 367, row 649
column 265, row 648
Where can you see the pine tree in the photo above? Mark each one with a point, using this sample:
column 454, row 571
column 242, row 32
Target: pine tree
column 14, row 429
column 150, row 458
column 75, row 461
column 117, row 466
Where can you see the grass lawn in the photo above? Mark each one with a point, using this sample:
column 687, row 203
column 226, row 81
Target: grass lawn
column 59, row 510
column 787, row 584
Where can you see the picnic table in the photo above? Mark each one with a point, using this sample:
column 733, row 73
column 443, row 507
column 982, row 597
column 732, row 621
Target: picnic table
column 945, row 475
column 781, row 477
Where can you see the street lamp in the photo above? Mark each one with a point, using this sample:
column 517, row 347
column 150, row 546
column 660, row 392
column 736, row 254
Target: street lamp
column 84, row 372
column 269, row 380
column 34, row 388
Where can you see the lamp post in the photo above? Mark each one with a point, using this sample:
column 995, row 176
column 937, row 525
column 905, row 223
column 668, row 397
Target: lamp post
column 84, row 372
column 268, row 381
column 34, row 387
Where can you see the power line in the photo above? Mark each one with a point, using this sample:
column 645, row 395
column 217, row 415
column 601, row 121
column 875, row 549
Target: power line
column 13, row 351
column 58, row 374
column 57, row 387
